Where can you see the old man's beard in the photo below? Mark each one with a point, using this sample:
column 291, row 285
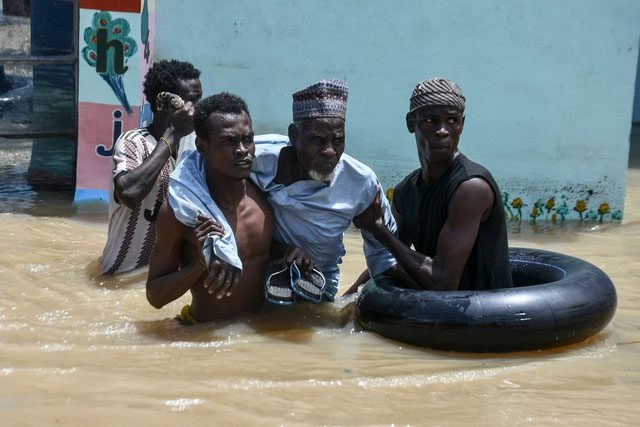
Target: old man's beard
column 317, row 176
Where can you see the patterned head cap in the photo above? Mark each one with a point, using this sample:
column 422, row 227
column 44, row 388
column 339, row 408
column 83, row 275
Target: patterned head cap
column 437, row 91
column 326, row 98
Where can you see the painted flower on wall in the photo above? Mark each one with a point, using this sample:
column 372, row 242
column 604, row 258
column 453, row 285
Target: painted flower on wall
column 591, row 215
column 616, row 215
column 389, row 194
column 603, row 210
column 508, row 213
column 535, row 213
column 580, row 207
column 563, row 211
column 556, row 212
column 549, row 206
column 518, row 204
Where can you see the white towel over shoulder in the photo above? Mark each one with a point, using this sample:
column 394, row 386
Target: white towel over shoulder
column 189, row 195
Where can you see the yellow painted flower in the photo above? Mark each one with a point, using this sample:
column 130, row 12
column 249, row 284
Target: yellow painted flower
column 516, row 203
column 554, row 218
column 535, row 213
column 550, row 204
column 603, row 209
column 581, row 206
column 389, row 193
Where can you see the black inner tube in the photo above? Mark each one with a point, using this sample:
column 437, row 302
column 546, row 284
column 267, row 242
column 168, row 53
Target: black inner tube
column 557, row 300
column 530, row 273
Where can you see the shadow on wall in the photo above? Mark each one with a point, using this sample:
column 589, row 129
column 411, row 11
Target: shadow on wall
column 634, row 146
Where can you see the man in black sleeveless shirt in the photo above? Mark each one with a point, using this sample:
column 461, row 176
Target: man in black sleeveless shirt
column 449, row 209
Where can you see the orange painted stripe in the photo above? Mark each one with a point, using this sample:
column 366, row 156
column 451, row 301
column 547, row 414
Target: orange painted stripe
column 112, row 5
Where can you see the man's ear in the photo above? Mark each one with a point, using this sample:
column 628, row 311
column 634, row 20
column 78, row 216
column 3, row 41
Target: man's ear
column 293, row 134
column 462, row 124
column 201, row 144
column 411, row 124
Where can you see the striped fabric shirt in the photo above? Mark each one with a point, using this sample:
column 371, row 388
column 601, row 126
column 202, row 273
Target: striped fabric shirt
column 132, row 233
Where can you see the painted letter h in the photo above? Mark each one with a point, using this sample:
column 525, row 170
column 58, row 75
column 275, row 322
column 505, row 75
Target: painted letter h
column 102, row 52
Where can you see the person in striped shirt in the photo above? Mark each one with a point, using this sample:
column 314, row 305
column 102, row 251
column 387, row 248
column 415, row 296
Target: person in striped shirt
column 143, row 158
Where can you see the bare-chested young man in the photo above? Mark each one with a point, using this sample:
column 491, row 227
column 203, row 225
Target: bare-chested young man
column 216, row 175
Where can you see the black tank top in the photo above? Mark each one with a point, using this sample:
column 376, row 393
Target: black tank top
column 424, row 210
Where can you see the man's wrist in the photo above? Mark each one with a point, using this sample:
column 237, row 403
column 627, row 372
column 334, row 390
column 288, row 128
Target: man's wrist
column 199, row 265
column 170, row 135
column 379, row 230
column 378, row 227
column 170, row 147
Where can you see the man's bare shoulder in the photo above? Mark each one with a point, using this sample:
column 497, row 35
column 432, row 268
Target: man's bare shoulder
column 167, row 223
column 476, row 185
column 473, row 197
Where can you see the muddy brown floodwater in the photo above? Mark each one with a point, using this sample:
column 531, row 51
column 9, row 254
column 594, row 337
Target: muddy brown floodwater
column 77, row 349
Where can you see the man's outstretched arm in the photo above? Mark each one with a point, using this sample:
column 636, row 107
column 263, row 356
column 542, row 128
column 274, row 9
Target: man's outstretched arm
column 469, row 205
column 378, row 208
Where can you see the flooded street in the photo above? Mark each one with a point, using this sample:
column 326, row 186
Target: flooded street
column 77, row 349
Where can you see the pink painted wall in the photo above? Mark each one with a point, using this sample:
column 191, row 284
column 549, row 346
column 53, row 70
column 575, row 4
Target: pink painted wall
column 98, row 125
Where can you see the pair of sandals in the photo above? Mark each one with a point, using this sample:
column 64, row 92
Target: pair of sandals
column 285, row 282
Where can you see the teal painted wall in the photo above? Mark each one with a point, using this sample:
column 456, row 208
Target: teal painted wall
column 549, row 84
column 636, row 102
